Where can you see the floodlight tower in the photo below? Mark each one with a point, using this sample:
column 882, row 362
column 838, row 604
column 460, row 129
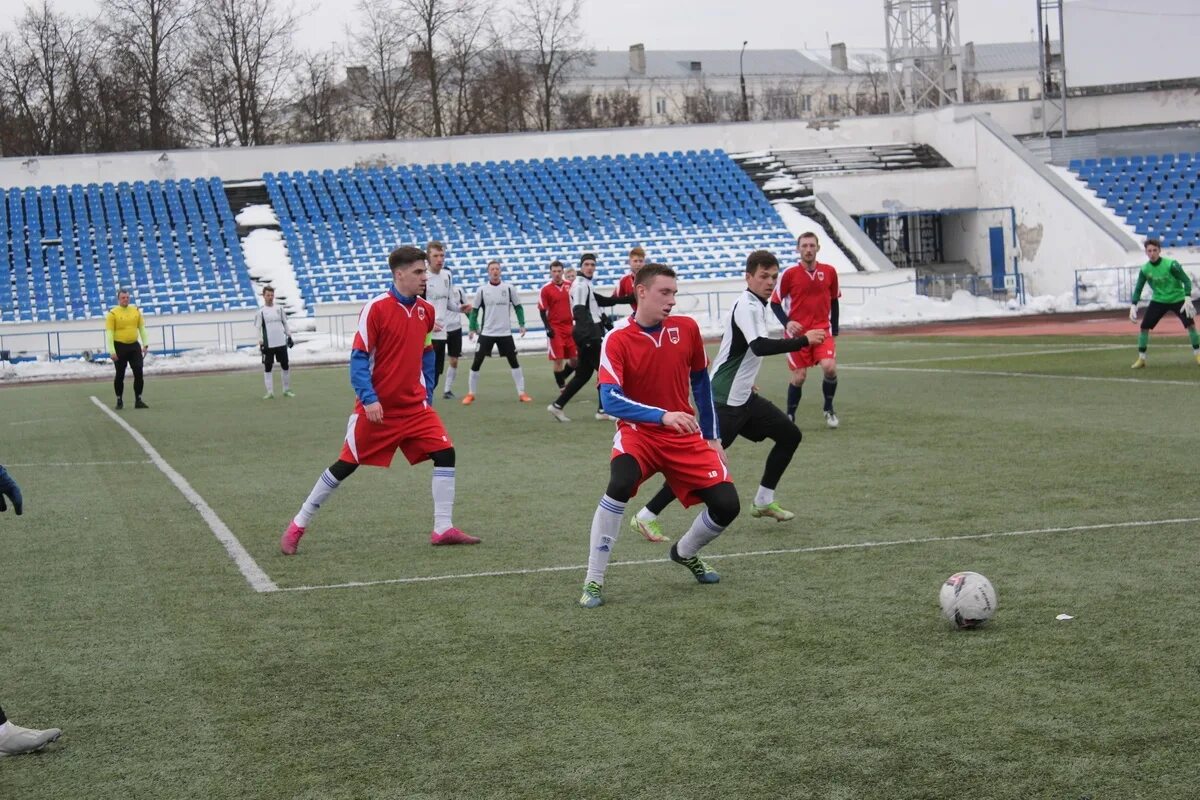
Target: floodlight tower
column 1052, row 67
column 923, row 53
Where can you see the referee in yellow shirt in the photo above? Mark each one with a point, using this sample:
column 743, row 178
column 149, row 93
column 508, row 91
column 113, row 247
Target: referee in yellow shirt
column 123, row 325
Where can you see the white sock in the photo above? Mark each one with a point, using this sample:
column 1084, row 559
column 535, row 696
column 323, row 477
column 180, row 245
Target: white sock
column 646, row 515
column 703, row 531
column 606, row 525
column 451, row 373
column 764, row 496
column 319, row 494
column 270, row 384
column 472, row 381
column 287, row 379
column 443, row 498
column 519, row 379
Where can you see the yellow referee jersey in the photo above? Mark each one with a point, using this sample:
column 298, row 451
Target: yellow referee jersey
column 124, row 325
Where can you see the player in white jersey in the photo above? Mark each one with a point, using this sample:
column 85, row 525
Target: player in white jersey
column 274, row 339
column 741, row 411
column 446, row 298
column 490, row 319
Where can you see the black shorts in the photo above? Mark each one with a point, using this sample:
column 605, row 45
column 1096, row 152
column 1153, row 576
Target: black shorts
column 271, row 354
column 757, row 419
column 1156, row 311
column 505, row 344
column 453, row 343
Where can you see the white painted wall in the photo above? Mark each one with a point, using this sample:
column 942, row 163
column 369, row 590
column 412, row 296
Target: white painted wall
column 1055, row 236
column 902, row 190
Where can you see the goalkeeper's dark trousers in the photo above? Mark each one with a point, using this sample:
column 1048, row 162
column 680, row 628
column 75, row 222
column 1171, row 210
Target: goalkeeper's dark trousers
column 131, row 355
column 1155, row 311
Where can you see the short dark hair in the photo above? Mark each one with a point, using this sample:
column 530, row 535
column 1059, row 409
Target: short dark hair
column 646, row 275
column 555, row 263
column 586, row 257
column 760, row 258
column 495, row 261
column 404, row 255
column 1152, row 241
column 808, row 235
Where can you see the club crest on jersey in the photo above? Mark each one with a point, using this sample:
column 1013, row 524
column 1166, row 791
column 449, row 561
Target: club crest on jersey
column 673, row 335
column 421, row 312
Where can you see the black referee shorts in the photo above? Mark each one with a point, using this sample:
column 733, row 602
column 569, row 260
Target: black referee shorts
column 757, row 419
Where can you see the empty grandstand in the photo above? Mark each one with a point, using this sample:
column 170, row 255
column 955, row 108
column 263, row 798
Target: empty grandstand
column 1154, row 194
column 695, row 210
column 64, row 250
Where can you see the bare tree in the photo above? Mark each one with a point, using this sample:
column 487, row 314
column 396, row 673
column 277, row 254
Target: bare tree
column 317, row 109
column 549, row 31
column 149, row 38
column 616, row 108
column 253, row 39
column 464, row 58
column 505, row 92
column 430, row 20
column 43, row 72
column 380, row 81
column 211, row 95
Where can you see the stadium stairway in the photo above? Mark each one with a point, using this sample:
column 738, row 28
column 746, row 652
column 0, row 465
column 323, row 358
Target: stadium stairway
column 787, row 175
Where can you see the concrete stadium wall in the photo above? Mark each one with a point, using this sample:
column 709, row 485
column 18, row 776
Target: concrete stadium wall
column 902, row 190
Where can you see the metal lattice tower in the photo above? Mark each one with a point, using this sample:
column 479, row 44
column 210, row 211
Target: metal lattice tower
column 923, row 53
column 1052, row 67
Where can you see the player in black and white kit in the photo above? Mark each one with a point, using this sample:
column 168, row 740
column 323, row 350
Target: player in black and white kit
column 490, row 318
column 446, row 298
column 274, row 339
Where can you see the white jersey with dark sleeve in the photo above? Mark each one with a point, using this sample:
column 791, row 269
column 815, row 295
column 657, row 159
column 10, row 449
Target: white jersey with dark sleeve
column 495, row 303
column 272, row 326
column 735, row 368
column 440, row 291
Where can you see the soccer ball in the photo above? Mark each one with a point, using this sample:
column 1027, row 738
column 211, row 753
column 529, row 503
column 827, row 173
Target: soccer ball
column 968, row 599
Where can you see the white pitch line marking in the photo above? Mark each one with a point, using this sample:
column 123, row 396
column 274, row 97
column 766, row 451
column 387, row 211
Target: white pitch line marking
column 1018, row 354
column 998, row 374
column 249, row 568
column 36, row 421
column 79, row 463
column 751, row 554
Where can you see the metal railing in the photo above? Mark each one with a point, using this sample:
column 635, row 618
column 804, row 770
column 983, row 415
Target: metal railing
column 709, row 307
column 944, row 286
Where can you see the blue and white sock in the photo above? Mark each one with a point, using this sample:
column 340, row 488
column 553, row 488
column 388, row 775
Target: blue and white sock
column 319, row 494
column 703, row 531
column 443, row 498
column 606, row 525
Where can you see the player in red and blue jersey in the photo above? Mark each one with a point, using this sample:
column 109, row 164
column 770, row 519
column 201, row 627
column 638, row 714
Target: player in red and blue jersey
column 392, row 372
column 806, row 299
column 647, row 366
column 554, row 304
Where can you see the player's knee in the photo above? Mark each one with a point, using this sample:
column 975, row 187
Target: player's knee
column 443, row 458
column 723, row 504
column 798, row 377
column 342, row 469
column 789, row 436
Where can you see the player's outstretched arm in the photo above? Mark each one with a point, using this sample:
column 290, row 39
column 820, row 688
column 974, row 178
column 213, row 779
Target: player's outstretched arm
column 617, row 404
column 9, row 489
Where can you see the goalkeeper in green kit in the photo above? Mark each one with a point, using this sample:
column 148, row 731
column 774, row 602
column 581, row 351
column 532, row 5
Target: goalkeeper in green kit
column 1170, row 290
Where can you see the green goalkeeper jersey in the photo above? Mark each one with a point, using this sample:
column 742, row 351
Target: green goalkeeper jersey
column 1168, row 282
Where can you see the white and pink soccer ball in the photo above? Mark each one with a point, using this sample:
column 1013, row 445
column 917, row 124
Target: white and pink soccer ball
column 968, row 600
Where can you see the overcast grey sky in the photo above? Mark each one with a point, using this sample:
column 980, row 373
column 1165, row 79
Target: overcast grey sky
column 692, row 24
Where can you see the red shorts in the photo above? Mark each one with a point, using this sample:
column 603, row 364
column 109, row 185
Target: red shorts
column 687, row 463
column 418, row 434
column 815, row 354
column 562, row 346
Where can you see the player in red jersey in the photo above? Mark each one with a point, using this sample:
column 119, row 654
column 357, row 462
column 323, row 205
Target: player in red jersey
column 554, row 304
column 637, row 259
column 392, row 372
column 646, row 366
column 807, row 299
